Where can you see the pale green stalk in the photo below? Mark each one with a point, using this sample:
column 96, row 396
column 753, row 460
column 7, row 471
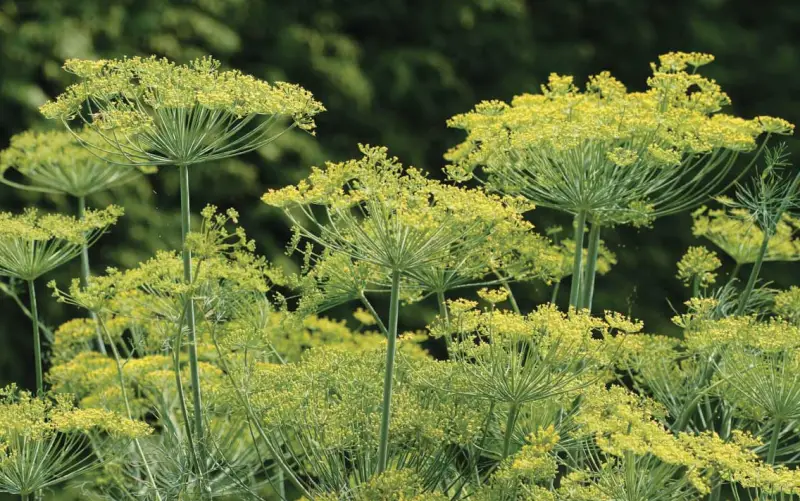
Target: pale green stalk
column 511, row 299
column 101, row 347
column 751, row 282
column 555, row 292
column 375, row 315
column 37, row 344
column 190, row 319
column 442, row 307
column 773, row 442
column 575, row 288
column 511, row 422
column 591, row 267
column 124, row 393
column 394, row 309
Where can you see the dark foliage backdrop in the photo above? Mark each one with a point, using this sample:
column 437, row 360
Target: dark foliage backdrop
column 390, row 72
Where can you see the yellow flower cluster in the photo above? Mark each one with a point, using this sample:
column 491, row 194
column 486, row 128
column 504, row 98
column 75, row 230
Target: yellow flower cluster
column 32, row 244
column 611, row 139
column 57, row 161
column 737, row 234
column 787, row 304
column 769, row 336
column 698, row 264
column 30, row 226
column 623, row 423
column 127, row 84
column 392, row 485
column 379, row 213
column 39, row 419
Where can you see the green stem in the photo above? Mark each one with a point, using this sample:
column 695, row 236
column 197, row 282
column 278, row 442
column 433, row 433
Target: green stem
column 773, row 442
column 190, row 319
column 591, row 267
column 375, row 315
column 394, row 309
column 555, row 292
column 751, row 282
column 37, row 343
column 575, row 288
column 735, row 272
column 716, row 489
column 101, row 346
column 511, row 422
column 511, row 299
column 696, row 286
column 442, row 307
column 124, row 393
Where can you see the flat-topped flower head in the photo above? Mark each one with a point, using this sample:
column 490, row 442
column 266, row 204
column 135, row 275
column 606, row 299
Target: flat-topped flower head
column 607, row 151
column 737, row 233
column 57, row 162
column 32, row 244
column 377, row 212
column 154, row 112
column 42, row 440
column 698, row 264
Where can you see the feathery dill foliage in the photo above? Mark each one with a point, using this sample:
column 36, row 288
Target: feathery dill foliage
column 526, row 402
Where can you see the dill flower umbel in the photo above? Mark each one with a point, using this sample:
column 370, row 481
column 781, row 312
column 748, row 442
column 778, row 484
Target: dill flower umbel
column 32, row 244
column 607, row 155
column 42, row 440
column 740, row 237
column 698, row 266
column 152, row 111
column 56, row 162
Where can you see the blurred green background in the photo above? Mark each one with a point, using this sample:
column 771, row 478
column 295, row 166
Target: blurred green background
column 390, row 72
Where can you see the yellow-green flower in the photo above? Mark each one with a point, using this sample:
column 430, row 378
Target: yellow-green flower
column 32, row 244
column 739, row 236
column 152, row 111
column 698, row 264
column 57, row 162
column 601, row 150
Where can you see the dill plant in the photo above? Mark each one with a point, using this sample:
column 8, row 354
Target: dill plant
column 150, row 111
column 54, row 162
column 609, row 156
column 527, row 402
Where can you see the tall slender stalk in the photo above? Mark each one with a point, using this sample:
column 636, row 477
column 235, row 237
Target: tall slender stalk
column 375, row 315
column 190, row 319
column 394, row 310
column 555, row 292
column 101, row 346
column 773, row 442
column 124, row 393
column 442, row 307
column 591, row 267
column 37, row 343
column 511, row 422
column 575, row 288
column 751, row 281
